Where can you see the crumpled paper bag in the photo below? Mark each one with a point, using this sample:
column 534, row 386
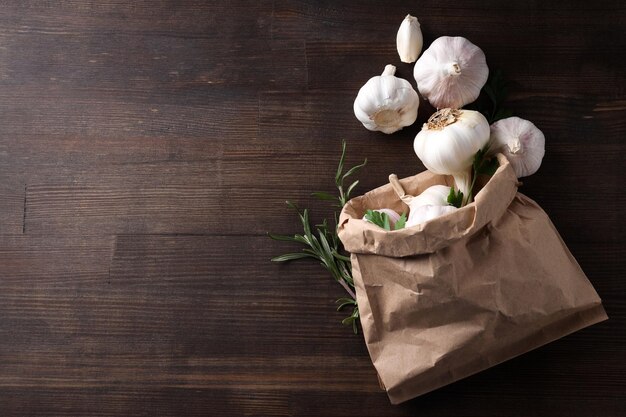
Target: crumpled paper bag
column 451, row 297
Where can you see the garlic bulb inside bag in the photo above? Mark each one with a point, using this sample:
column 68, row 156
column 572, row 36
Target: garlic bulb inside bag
column 409, row 40
column 435, row 195
column 422, row 214
column 447, row 143
column 386, row 103
column 521, row 142
column 430, row 204
column 451, row 72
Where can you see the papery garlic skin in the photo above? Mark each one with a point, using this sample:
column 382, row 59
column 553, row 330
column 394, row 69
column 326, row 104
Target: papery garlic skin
column 435, row 195
column 523, row 144
column 409, row 40
column 451, row 72
column 386, row 103
column 422, row 214
column 447, row 143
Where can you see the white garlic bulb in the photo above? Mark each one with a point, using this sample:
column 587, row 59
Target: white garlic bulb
column 430, row 204
column 521, row 142
column 409, row 40
column 447, row 143
column 435, row 195
column 422, row 214
column 386, row 103
column 451, row 72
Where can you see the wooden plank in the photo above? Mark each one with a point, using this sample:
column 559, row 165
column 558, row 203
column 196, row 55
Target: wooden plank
column 129, row 62
column 80, row 114
column 152, row 197
column 42, row 263
column 526, row 25
column 184, row 18
column 176, row 318
column 146, row 147
column 455, row 401
column 11, row 208
column 348, row 65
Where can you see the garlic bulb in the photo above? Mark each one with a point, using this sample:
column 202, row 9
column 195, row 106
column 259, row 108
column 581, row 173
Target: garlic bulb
column 386, row 103
column 430, row 204
column 447, row 143
column 451, row 72
column 435, row 195
column 393, row 216
column 521, row 142
column 409, row 40
column 422, row 214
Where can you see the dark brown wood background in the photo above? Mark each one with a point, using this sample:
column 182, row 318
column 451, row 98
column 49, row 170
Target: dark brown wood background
column 147, row 147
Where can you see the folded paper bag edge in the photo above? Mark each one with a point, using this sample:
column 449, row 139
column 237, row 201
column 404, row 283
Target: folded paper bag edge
column 359, row 236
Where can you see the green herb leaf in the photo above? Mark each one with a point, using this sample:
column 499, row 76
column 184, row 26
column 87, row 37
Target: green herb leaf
column 291, row 256
column 341, row 257
column 455, row 198
column 376, row 218
column 282, row 237
column 351, row 188
column 323, row 244
column 401, row 223
column 341, row 162
column 354, row 169
column 386, row 221
column 343, row 302
column 323, row 196
column 484, row 164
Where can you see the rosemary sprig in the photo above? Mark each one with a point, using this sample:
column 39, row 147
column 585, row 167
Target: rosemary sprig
column 323, row 244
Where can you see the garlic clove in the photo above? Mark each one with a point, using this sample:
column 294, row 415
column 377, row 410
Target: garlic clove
column 386, row 103
column 426, row 213
column 451, row 72
column 409, row 40
column 521, row 142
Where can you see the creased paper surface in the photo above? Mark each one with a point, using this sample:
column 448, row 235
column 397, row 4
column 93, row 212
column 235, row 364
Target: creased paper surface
column 446, row 299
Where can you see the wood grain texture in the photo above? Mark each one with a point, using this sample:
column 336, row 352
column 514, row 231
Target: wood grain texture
column 146, row 148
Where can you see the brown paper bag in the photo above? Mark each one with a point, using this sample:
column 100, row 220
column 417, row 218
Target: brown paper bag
column 456, row 295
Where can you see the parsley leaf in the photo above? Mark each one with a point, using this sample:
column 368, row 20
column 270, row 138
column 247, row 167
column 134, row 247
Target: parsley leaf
column 383, row 220
column 378, row 218
column 455, row 198
column 401, row 223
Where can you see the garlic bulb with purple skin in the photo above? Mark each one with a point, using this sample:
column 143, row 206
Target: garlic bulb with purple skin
column 521, row 142
column 451, row 72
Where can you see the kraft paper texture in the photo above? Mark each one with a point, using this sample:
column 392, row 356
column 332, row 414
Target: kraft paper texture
column 451, row 297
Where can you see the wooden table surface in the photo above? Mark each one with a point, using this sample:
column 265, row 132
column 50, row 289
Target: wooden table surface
column 147, row 147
